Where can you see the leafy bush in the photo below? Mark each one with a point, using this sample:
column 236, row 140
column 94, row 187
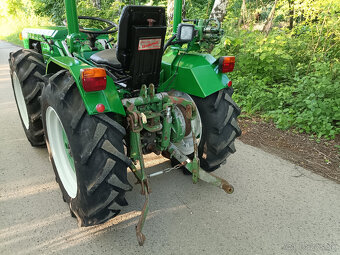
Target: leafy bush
column 291, row 77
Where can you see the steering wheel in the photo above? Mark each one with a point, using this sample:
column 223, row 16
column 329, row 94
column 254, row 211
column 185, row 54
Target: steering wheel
column 107, row 30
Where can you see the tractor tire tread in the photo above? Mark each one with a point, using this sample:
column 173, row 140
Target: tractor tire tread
column 30, row 69
column 96, row 168
column 220, row 129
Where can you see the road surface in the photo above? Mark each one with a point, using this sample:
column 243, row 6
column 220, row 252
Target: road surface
column 277, row 207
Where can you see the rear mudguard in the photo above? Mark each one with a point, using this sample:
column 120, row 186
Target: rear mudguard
column 191, row 73
column 108, row 97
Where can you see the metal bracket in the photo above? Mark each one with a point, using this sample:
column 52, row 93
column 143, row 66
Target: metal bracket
column 202, row 175
column 139, row 110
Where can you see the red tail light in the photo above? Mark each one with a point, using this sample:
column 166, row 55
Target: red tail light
column 93, row 79
column 226, row 64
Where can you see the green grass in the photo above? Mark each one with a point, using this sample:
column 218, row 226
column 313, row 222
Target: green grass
column 12, row 25
column 13, row 38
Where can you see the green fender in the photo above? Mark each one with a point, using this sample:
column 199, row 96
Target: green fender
column 191, row 73
column 108, row 97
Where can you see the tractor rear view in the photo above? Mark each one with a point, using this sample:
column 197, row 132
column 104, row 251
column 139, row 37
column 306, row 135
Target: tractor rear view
column 100, row 107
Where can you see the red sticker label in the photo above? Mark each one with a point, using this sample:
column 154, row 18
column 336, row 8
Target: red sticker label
column 150, row 44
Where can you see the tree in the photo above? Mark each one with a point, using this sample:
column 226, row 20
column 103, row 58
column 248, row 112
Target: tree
column 291, row 13
column 269, row 22
column 219, row 10
column 170, row 11
column 243, row 16
column 96, row 3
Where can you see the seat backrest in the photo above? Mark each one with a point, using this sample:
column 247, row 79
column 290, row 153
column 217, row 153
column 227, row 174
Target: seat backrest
column 140, row 43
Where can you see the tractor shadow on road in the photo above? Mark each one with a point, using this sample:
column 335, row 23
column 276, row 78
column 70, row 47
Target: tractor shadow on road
column 53, row 230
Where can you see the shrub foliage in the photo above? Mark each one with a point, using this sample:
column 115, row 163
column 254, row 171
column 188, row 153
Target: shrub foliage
column 290, row 75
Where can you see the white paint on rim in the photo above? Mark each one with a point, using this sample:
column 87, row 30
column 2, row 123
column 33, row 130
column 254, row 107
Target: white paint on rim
column 186, row 145
column 20, row 100
column 65, row 171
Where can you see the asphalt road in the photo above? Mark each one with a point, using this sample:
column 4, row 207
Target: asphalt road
column 277, row 207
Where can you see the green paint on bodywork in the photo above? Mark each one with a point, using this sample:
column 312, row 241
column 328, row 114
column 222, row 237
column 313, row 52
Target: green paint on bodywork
column 177, row 15
column 191, row 73
column 72, row 17
column 195, row 74
column 108, row 97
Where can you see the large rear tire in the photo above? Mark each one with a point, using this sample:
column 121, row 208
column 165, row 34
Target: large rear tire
column 219, row 128
column 27, row 70
column 86, row 152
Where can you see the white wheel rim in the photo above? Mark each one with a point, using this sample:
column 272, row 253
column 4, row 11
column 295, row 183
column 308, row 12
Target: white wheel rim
column 61, row 160
column 20, row 100
column 186, row 145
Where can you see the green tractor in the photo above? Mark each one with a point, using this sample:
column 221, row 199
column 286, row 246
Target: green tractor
column 100, row 106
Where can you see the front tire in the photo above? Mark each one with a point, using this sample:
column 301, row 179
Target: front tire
column 86, row 152
column 27, row 69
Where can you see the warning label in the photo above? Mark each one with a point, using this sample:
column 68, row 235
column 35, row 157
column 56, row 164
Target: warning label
column 150, row 44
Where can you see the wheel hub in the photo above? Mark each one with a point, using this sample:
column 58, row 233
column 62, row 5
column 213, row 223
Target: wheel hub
column 186, row 145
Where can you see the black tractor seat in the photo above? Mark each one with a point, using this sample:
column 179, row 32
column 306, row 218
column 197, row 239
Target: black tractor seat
column 106, row 57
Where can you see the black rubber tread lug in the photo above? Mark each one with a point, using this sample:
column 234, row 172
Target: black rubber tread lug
column 111, row 122
column 39, row 132
column 236, row 127
column 109, row 165
column 224, row 143
column 28, row 72
column 35, row 116
column 121, row 200
column 54, row 78
column 228, row 98
column 20, row 58
column 218, row 99
column 108, row 147
column 226, row 120
column 100, row 131
column 232, row 148
column 36, row 60
column 109, row 216
column 114, row 207
column 77, row 117
column 114, row 181
column 40, row 76
column 32, row 95
column 99, row 207
column 66, row 89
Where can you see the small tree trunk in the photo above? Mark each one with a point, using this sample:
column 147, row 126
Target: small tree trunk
column 269, row 23
column 291, row 14
column 219, row 10
column 184, row 12
column 96, row 3
column 243, row 16
column 170, row 11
